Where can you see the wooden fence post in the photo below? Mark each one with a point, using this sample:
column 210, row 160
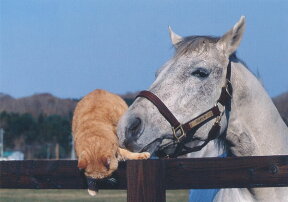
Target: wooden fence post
column 145, row 181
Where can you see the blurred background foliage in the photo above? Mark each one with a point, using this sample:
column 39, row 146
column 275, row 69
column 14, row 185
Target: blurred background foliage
column 39, row 126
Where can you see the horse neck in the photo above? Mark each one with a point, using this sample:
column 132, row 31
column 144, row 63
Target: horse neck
column 255, row 126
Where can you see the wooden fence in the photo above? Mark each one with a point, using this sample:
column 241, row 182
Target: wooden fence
column 147, row 180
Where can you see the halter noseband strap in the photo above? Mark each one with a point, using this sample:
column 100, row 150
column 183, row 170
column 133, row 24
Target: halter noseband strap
column 181, row 132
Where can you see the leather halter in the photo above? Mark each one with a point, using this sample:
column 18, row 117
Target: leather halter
column 183, row 133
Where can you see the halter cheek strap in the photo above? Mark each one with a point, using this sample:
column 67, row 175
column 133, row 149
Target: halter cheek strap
column 182, row 132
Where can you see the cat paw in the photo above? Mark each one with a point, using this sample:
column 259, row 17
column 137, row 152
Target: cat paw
column 144, row 155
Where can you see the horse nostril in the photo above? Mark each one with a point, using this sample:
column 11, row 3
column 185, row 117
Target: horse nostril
column 135, row 124
column 133, row 131
column 135, row 127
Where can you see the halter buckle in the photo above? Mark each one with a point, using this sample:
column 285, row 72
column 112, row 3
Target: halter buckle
column 182, row 133
column 218, row 119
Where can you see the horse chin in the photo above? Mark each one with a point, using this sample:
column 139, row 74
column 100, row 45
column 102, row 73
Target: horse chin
column 152, row 147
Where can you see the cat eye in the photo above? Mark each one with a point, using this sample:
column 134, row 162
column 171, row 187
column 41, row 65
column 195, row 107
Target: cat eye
column 200, row 73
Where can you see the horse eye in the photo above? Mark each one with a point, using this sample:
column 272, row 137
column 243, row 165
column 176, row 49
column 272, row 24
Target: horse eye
column 201, row 73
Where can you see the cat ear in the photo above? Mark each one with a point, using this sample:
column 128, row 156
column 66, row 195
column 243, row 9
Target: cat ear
column 106, row 162
column 82, row 162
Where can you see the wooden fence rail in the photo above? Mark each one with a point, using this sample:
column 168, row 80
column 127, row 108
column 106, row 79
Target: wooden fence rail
column 147, row 180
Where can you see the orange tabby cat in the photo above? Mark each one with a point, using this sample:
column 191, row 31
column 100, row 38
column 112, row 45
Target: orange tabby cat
column 94, row 131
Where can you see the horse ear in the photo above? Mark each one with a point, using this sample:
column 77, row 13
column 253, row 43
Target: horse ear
column 82, row 161
column 175, row 38
column 230, row 41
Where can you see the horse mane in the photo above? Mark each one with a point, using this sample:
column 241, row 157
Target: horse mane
column 200, row 44
column 194, row 44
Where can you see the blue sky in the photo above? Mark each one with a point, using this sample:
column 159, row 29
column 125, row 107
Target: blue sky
column 70, row 47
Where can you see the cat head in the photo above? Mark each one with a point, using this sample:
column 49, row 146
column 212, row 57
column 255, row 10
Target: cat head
column 98, row 163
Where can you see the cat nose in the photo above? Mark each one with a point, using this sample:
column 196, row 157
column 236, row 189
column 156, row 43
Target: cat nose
column 133, row 131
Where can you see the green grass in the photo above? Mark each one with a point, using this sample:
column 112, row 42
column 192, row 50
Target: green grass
column 45, row 195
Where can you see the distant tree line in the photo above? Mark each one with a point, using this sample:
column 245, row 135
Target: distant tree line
column 38, row 136
column 32, row 135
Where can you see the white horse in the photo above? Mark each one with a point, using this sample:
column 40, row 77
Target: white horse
column 191, row 83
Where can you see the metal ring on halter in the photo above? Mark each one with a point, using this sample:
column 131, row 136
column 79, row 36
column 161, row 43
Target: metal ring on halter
column 228, row 83
column 219, row 117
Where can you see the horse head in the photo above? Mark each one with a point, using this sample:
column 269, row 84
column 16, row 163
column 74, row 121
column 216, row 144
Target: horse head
column 188, row 84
